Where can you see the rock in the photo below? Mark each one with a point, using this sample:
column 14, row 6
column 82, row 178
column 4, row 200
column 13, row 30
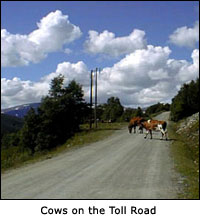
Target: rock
column 188, row 123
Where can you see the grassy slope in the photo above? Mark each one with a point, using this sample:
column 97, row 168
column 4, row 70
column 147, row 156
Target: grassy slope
column 185, row 152
column 13, row 158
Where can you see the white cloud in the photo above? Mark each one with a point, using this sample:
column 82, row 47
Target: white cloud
column 17, row 91
column 146, row 77
column 190, row 71
column 71, row 71
column 137, row 67
column 107, row 43
column 17, row 50
column 158, row 74
column 10, row 87
column 162, row 91
column 135, row 75
column 142, row 78
column 54, row 31
column 186, row 37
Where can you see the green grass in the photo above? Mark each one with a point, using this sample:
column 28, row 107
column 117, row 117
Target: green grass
column 185, row 152
column 14, row 157
column 88, row 136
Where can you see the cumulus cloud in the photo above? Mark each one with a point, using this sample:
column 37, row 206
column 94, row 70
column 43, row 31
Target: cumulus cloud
column 107, row 43
column 71, row 71
column 17, row 50
column 139, row 67
column 16, row 91
column 54, row 31
column 141, row 78
column 189, row 71
column 147, row 76
column 186, row 37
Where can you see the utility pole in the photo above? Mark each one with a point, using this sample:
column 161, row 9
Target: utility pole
column 91, row 85
column 91, row 93
column 95, row 107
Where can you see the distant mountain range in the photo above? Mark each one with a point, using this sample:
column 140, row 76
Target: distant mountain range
column 21, row 110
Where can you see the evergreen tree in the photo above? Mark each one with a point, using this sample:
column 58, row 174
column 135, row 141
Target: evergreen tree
column 186, row 102
column 56, row 89
column 113, row 109
column 59, row 116
column 30, row 130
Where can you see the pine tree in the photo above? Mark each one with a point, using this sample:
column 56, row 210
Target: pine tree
column 29, row 131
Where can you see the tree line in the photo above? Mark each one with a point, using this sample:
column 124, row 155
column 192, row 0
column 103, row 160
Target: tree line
column 64, row 109
column 186, row 102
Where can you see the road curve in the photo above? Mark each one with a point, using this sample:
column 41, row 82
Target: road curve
column 123, row 166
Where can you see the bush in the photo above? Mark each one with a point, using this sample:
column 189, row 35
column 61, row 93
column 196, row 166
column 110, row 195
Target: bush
column 12, row 156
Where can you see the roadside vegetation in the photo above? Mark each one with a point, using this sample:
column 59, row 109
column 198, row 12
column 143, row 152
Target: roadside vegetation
column 185, row 153
column 185, row 147
column 15, row 156
column 186, row 102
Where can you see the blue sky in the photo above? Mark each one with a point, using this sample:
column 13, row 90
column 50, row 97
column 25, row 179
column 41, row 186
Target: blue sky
column 99, row 32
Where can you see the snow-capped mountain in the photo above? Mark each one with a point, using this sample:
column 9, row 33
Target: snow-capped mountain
column 20, row 110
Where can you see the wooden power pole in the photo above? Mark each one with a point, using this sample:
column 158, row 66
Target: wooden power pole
column 95, row 99
column 95, row 107
column 91, row 85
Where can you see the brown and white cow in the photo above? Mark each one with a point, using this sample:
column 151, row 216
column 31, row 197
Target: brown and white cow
column 135, row 121
column 156, row 125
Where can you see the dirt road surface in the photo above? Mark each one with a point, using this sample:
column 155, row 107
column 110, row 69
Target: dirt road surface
column 122, row 166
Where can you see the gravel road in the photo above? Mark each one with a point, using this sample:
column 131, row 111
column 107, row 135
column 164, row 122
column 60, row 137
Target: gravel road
column 122, row 166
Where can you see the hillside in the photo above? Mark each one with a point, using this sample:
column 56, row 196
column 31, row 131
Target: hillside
column 10, row 124
column 185, row 152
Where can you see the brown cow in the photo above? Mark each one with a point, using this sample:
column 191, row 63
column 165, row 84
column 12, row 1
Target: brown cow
column 135, row 121
column 151, row 125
